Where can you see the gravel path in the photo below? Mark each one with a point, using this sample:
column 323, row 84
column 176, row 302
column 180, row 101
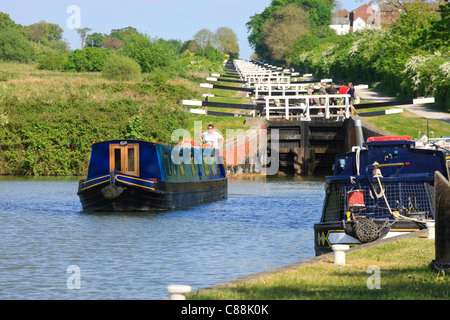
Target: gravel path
column 419, row 110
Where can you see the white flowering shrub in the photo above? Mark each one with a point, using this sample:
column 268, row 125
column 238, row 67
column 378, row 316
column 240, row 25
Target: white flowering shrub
column 392, row 59
column 427, row 75
column 3, row 120
column 444, row 70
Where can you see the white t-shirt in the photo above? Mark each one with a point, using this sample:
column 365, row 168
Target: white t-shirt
column 212, row 139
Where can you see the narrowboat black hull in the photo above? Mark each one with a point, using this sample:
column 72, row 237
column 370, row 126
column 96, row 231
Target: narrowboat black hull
column 123, row 197
column 327, row 234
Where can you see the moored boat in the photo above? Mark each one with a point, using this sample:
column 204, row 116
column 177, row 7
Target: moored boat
column 135, row 175
column 382, row 189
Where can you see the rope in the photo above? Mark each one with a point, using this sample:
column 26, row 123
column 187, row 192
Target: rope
column 377, row 175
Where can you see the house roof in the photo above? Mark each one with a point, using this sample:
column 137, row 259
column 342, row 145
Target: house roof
column 363, row 12
column 384, row 7
column 341, row 14
column 340, row 21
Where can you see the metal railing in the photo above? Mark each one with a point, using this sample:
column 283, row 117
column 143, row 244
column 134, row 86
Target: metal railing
column 303, row 110
column 282, row 89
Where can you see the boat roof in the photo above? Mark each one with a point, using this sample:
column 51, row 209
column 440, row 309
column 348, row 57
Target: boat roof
column 442, row 144
column 119, row 140
column 184, row 143
column 397, row 157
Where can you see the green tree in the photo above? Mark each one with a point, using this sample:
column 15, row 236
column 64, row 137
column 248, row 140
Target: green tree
column 88, row 59
column 172, row 44
column 83, row 33
column 95, row 40
column 437, row 35
column 15, row 46
column 54, row 32
column 118, row 67
column 59, row 45
column 50, row 59
column 6, row 22
column 36, row 32
column 43, row 32
column 111, row 42
column 282, row 31
column 191, row 45
column 210, row 53
column 149, row 54
column 123, row 32
column 319, row 11
column 227, row 42
column 205, row 38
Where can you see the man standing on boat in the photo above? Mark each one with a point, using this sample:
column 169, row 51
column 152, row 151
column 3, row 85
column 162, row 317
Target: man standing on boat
column 211, row 137
column 214, row 139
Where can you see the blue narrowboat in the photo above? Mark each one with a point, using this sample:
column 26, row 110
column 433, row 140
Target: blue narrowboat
column 135, row 175
column 382, row 189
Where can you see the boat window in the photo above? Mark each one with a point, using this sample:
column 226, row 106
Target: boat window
column 194, row 171
column 213, row 165
column 167, row 164
column 205, row 162
column 124, row 158
column 183, row 173
column 131, row 159
column 117, row 160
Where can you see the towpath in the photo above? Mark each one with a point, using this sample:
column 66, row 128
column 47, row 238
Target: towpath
column 419, row 110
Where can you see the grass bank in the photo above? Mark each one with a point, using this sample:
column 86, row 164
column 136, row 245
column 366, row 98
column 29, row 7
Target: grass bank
column 406, row 123
column 402, row 267
column 49, row 119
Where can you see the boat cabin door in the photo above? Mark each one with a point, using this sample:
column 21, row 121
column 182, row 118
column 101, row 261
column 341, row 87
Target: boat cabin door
column 124, row 157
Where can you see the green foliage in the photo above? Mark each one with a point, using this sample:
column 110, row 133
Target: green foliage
column 14, row 46
column 50, row 131
column 406, row 60
column 172, row 45
column 118, row 67
column 95, row 40
column 135, row 129
column 88, row 59
column 227, row 42
column 123, row 32
column 83, row 33
column 42, row 32
column 210, row 53
column 282, row 31
column 190, row 45
column 196, row 65
column 7, row 23
column 52, row 61
column 436, row 35
column 59, row 46
column 304, row 43
column 149, row 54
column 160, row 76
column 319, row 11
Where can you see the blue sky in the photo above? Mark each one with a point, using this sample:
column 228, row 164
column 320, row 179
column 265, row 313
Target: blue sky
column 167, row 19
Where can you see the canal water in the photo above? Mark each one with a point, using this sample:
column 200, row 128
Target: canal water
column 50, row 249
